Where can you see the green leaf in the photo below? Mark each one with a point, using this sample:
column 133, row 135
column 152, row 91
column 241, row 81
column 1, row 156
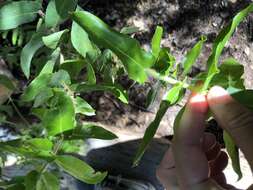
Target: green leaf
column 91, row 77
column 178, row 119
column 52, row 18
column 44, row 95
column 233, row 153
column 39, row 112
column 81, row 106
column 63, row 7
column 26, row 151
column 16, row 187
column 7, row 82
column 60, row 78
column 52, row 40
column 230, row 75
column 128, row 30
column 172, row 96
column 47, row 181
column 14, row 38
column 38, row 84
column 244, row 97
column 40, row 144
column 81, row 41
column 152, row 94
column 73, row 66
column 156, row 41
column 49, row 66
column 13, row 184
column 127, row 49
column 71, row 146
column 62, row 117
column 28, row 52
column 165, row 62
column 79, row 169
column 115, row 90
column 18, row 13
column 97, row 132
column 220, row 43
column 193, row 55
column 87, row 131
column 31, row 180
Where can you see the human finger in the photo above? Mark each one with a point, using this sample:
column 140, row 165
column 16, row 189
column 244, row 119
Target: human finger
column 236, row 119
column 188, row 152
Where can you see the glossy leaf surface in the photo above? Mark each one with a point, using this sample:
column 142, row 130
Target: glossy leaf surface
column 127, row 49
column 79, row 169
column 17, row 13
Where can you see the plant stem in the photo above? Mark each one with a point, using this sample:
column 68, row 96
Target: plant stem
column 57, row 147
column 18, row 112
column 166, row 79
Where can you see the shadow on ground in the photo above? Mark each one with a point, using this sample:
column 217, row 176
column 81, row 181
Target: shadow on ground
column 117, row 160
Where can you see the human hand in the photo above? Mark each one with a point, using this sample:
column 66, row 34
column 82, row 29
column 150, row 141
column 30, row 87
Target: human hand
column 195, row 160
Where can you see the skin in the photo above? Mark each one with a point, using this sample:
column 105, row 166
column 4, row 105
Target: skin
column 195, row 160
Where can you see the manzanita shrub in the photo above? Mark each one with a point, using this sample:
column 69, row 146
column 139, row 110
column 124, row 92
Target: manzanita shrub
column 60, row 63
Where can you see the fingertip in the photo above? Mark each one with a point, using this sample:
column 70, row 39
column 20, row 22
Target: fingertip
column 198, row 103
column 218, row 95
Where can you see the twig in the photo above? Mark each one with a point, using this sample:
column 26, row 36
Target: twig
column 166, row 79
column 135, row 122
column 115, row 103
column 55, row 151
column 18, row 112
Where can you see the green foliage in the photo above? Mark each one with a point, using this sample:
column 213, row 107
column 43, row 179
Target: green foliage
column 127, row 49
column 73, row 66
column 230, row 75
column 79, row 169
column 115, row 90
column 15, row 14
column 220, row 43
column 62, row 117
column 62, row 63
column 44, row 181
column 244, row 97
column 52, row 40
column 81, row 106
column 156, row 41
column 87, row 131
column 83, row 46
column 233, row 153
column 170, row 98
column 52, row 18
column 63, row 7
column 28, row 52
column 192, row 55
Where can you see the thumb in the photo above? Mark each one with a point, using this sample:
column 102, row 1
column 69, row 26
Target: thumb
column 236, row 119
